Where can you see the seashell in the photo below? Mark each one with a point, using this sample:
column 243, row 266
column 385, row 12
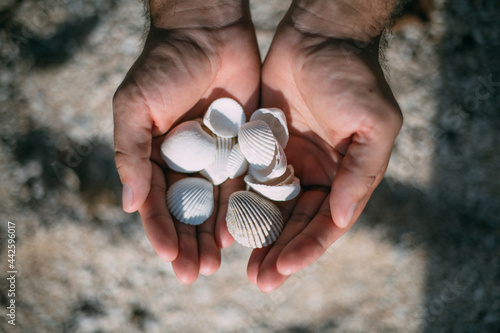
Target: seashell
column 276, row 120
column 191, row 200
column 236, row 163
column 257, row 143
column 283, row 192
column 224, row 117
column 275, row 169
column 216, row 172
column 188, row 147
column 286, row 178
column 252, row 220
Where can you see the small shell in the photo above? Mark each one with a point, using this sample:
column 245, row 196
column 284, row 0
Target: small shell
column 276, row 168
column 191, row 200
column 224, row 117
column 253, row 221
column 282, row 192
column 188, row 148
column 276, row 120
column 236, row 163
column 216, row 172
column 285, row 179
column 257, row 143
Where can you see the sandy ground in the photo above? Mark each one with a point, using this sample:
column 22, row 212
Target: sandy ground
column 423, row 257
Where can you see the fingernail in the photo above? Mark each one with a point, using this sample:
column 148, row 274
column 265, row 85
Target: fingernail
column 349, row 215
column 127, row 197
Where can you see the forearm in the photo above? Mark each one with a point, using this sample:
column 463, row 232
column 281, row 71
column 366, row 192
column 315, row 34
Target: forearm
column 362, row 20
column 175, row 14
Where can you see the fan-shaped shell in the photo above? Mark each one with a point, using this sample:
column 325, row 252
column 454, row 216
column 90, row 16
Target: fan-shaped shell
column 188, row 148
column 276, row 120
column 276, row 168
column 224, row 117
column 216, row 172
column 286, row 178
column 257, row 143
column 283, row 192
column 191, row 200
column 252, row 220
column 236, row 163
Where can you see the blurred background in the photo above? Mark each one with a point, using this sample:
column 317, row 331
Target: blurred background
column 423, row 257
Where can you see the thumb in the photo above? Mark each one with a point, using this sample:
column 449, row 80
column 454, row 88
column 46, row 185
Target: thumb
column 360, row 171
column 132, row 140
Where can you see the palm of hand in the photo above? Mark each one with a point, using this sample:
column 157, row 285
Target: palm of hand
column 332, row 100
column 174, row 80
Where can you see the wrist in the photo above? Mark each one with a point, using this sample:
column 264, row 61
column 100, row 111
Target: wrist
column 358, row 20
column 176, row 14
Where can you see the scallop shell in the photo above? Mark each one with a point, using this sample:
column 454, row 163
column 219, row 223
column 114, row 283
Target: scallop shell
column 252, row 220
column 275, row 169
column 236, row 163
column 276, row 120
column 286, row 178
column 191, row 200
column 283, row 192
column 188, row 148
column 257, row 143
column 224, row 117
column 216, row 172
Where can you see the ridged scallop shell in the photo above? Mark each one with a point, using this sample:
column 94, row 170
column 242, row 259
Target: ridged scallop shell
column 286, row 178
column 276, row 120
column 236, row 163
column 283, row 192
column 191, row 200
column 252, row 220
column 224, row 117
column 188, row 147
column 276, row 168
column 257, row 143
column 216, row 172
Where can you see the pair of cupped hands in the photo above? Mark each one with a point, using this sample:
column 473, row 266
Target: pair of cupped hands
column 341, row 114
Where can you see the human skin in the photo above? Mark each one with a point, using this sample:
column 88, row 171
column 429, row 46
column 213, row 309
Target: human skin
column 196, row 51
column 323, row 70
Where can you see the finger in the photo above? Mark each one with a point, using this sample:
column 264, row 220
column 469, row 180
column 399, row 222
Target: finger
column 269, row 278
column 258, row 255
column 132, row 139
column 186, row 265
column 222, row 235
column 158, row 224
column 256, row 258
column 311, row 243
column 359, row 173
column 209, row 252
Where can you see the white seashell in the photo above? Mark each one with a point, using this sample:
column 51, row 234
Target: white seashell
column 286, row 178
column 276, row 120
column 224, row 117
column 216, row 172
column 275, row 169
column 252, row 220
column 283, row 192
column 236, row 163
column 188, row 148
column 257, row 143
column 191, row 200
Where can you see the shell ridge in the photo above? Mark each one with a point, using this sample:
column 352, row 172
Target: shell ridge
column 250, row 225
column 239, row 221
column 258, row 220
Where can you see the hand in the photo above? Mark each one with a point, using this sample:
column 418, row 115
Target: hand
column 343, row 121
column 190, row 58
